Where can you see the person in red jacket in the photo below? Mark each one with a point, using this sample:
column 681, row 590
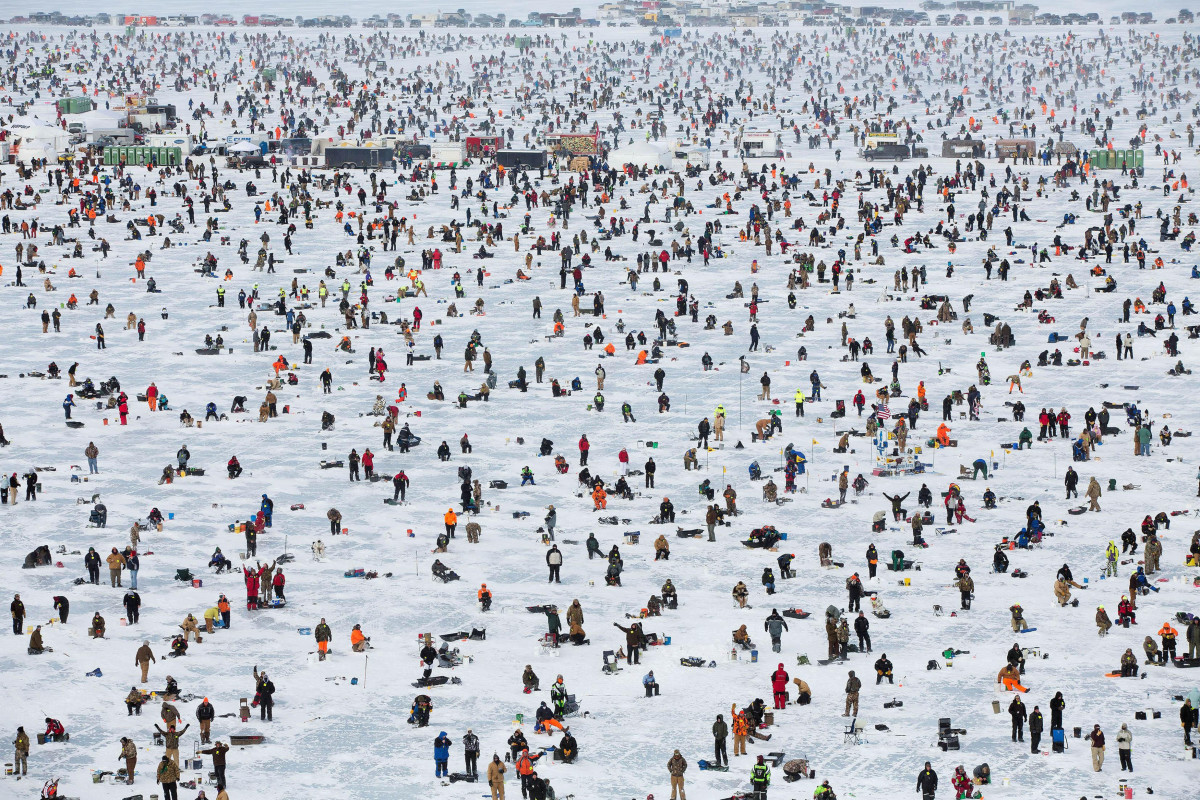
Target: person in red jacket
column 779, row 682
column 54, row 730
column 152, row 397
column 251, row 588
column 584, row 446
column 278, row 583
column 368, row 463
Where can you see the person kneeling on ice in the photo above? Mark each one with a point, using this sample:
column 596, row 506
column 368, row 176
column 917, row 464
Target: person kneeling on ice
column 960, row 782
column 1018, row 618
column 650, row 684
column 1010, row 676
column 1062, row 591
column 485, row 597
column 36, row 647
column 54, row 730
column 545, row 720
column 358, row 642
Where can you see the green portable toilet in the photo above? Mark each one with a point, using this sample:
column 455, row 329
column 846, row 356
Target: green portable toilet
column 1120, row 158
column 64, row 105
column 1139, row 159
column 268, row 73
column 79, row 105
column 1094, row 159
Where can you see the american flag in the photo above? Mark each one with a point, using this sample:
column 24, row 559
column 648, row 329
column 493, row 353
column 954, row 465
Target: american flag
column 882, row 412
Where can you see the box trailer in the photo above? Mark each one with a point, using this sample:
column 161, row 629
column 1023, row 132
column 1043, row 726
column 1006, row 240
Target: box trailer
column 444, row 155
column 116, row 135
column 682, row 158
column 162, row 108
column 148, row 121
column 876, row 138
column 963, row 148
column 529, row 159
column 259, row 140
column 358, row 157
column 184, row 141
column 1015, row 148
column 761, row 144
column 480, row 144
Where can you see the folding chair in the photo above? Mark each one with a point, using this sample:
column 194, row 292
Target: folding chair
column 853, row 733
column 611, row 667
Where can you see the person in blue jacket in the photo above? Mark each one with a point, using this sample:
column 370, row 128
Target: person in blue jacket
column 441, row 755
column 268, row 508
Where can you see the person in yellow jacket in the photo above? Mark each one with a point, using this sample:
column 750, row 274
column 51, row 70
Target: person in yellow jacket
column 799, row 402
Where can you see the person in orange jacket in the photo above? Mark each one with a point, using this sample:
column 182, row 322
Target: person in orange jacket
column 524, row 767
column 358, row 641
column 741, row 729
column 1166, row 653
column 600, row 498
column 485, row 597
column 943, row 435
column 451, row 522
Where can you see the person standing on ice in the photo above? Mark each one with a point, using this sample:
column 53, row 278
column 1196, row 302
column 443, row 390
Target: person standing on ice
column 779, row 682
column 441, row 755
column 495, row 777
column 775, row 626
column 927, row 782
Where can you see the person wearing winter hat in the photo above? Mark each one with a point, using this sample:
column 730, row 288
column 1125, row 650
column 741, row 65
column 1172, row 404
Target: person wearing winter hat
column 441, row 754
column 143, row 657
column 760, row 777
column 168, row 776
column 779, row 682
column 676, row 766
